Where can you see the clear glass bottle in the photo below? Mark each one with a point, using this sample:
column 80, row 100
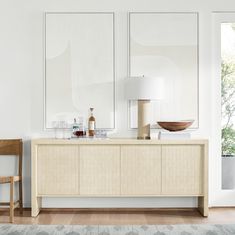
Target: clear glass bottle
column 91, row 123
column 75, row 128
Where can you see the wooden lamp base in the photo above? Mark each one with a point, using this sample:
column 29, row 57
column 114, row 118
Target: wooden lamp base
column 143, row 119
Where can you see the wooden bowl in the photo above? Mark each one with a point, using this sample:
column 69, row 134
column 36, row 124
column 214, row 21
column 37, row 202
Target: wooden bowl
column 176, row 126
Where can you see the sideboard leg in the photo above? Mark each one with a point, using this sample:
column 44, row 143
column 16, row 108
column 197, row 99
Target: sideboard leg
column 203, row 205
column 36, row 206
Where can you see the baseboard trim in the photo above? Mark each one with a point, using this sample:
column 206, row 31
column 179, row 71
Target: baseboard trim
column 114, row 210
column 101, row 210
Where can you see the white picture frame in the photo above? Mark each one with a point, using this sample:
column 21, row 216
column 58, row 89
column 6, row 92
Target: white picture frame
column 79, row 61
column 166, row 44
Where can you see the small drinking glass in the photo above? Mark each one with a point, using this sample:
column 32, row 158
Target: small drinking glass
column 55, row 126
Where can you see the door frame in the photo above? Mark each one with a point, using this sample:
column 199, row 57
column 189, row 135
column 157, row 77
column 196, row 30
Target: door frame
column 218, row 197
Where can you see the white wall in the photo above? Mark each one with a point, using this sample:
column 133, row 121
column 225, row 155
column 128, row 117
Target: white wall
column 21, row 75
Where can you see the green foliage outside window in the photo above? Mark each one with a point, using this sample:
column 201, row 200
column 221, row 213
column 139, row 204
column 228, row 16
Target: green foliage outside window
column 228, row 108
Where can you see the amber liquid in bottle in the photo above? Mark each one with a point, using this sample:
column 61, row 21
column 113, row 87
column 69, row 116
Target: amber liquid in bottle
column 91, row 124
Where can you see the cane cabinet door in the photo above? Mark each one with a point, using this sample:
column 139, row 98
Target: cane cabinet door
column 58, row 170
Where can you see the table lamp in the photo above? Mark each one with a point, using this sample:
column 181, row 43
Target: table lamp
column 144, row 89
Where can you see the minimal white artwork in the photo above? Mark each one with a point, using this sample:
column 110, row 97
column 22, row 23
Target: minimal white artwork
column 79, row 67
column 166, row 45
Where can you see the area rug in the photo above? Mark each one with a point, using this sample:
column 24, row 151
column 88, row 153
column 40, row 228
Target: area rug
column 194, row 229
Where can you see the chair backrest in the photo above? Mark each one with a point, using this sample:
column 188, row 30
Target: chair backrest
column 12, row 147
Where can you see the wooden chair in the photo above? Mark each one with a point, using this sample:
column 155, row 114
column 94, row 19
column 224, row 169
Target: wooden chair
column 12, row 147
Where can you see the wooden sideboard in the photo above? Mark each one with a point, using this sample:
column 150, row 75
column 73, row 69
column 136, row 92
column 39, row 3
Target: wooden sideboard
column 119, row 168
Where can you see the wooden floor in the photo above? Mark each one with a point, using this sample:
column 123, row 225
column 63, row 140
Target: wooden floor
column 124, row 217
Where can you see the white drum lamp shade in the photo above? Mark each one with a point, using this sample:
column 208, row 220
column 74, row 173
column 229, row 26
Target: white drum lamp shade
column 144, row 89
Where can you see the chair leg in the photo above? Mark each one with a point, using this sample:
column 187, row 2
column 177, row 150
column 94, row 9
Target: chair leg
column 12, row 200
column 21, row 197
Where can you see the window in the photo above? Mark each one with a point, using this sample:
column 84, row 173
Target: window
column 228, row 104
